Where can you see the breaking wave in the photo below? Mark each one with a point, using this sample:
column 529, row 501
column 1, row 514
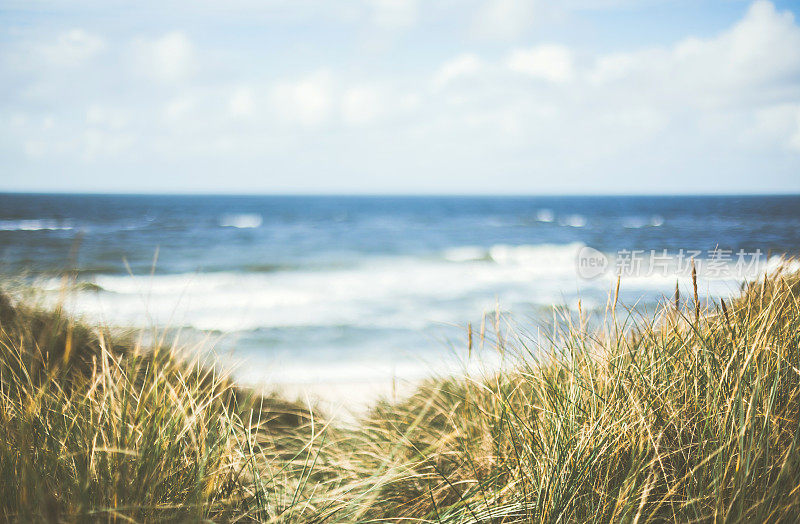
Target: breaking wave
column 401, row 292
column 241, row 221
column 33, row 225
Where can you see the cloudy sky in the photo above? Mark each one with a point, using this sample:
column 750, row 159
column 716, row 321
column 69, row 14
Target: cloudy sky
column 400, row 96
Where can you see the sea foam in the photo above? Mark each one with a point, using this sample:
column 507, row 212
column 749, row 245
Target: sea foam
column 241, row 221
column 389, row 292
column 399, row 292
column 33, row 225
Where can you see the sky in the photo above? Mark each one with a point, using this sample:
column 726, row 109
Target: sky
column 400, row 96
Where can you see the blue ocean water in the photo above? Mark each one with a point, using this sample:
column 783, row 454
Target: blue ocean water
column 304, row 285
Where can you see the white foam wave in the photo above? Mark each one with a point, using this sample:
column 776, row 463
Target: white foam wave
column 396, row 293
column 640, row 222
column 380, row 293
column 241, row 221
column 33, row 225
column 573, row 221
column 545, row 215
column 545, row 258
column 466, row 254
column 776, row 262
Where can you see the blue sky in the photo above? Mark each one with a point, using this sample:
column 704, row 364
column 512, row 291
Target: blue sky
column 400, row 96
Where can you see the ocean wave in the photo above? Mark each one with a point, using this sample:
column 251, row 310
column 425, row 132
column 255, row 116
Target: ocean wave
column 33, row 225
column 395, row 293
column 640, row 222
column 549, row 256
column 573, row 221
column 241, row 221
column 546, row 257
column 466, row 254
column 776, row 262
column 545, row 215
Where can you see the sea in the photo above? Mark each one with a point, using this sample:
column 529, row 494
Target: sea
column 318, row 288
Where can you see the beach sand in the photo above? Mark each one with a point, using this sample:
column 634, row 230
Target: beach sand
column 345, row 400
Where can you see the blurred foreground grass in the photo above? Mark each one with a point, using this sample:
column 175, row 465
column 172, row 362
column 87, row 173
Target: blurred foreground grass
column 689, row 414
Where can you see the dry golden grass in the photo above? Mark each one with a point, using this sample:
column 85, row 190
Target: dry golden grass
column 691, row 414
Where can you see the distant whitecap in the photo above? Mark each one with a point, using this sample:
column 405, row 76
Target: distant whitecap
column 241, row 221
column 545, row 215
column 639, row 222
column 574, row 221
column 634, row 222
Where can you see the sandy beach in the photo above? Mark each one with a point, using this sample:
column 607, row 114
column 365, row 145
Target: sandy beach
column 345, row 401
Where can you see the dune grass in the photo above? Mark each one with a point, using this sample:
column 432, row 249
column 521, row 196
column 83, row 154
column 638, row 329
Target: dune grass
column 690, row 414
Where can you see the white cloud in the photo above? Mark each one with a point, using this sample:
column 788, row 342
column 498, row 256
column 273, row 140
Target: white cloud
column 169, row 58
column 465, row 65
column 34, row 148
column 103, row 116
column 69, row 49
column 760, row 52
column 393, row 14
column 769, row 126
column 307, row 101
column 179, row 107
column 242, row 102
column 96, row 143
column 536, row 116
column 794, row 138
column 361, row 105
column 72, row 48
column 612, row 67
column 548, row 61
column 763, row 47
column 505, row 19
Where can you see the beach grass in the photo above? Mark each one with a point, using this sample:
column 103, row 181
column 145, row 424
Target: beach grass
column 687, row 414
